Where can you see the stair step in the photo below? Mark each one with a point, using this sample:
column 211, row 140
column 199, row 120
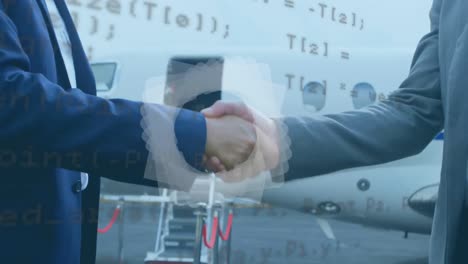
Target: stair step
column 181, row 237
column 170, row 257
column 183, row 212
column 182, row 224
column 179, row 245
column 181, row 240
column 184, row 221
column 177, row 253
column 174, row 229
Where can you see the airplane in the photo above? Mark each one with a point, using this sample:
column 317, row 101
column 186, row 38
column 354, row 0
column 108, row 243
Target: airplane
column 328, row 57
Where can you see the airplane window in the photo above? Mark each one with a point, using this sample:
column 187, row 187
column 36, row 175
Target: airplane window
column 314, row 96
column 104, row 74
column 363, row 94
column 363, row 185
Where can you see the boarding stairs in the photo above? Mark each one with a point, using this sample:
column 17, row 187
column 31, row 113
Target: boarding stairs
column 180, row 237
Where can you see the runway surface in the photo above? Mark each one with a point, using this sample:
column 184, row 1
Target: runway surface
column 274, row 236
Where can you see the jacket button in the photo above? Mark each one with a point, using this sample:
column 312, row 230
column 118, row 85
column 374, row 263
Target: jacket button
column 77, row 187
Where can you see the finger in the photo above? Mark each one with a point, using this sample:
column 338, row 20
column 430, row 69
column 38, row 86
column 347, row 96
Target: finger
column 209, row 165
column 217, row 164
column 213, row 164
column 222, row 168
column 253, row 166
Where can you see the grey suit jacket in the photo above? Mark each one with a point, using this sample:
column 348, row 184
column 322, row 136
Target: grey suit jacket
column 432, row 98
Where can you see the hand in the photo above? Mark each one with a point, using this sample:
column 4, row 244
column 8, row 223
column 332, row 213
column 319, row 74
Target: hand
column 265, row 155
column 230, row 141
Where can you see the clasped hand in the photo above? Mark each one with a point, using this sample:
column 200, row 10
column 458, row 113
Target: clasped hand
column 241, row 142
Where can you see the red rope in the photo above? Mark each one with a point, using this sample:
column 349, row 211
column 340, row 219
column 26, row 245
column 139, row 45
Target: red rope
column 225, row 236
column 214, row 232
column 112, row 221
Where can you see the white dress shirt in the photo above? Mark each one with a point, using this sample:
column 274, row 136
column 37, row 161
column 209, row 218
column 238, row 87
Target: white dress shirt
column 67, row 55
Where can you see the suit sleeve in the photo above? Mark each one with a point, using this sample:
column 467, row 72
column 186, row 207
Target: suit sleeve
column 401, row 126
column 44, row 126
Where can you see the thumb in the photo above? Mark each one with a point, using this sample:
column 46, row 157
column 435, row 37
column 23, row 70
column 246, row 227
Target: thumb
column 218, row 109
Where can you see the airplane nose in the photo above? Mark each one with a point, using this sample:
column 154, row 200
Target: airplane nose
column 424, row 200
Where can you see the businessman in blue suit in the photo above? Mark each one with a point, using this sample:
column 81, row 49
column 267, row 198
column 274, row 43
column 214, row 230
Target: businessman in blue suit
column 57, row 138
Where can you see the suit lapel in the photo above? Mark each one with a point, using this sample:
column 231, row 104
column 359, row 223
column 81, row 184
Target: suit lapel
column 85, row 78
column 59, row 62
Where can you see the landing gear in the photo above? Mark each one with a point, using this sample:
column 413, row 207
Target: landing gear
column 406, row 235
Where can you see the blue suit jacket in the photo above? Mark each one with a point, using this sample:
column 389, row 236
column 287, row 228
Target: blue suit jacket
column 49, row 132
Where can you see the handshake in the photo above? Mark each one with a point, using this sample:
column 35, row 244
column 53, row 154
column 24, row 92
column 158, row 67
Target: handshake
column 241, row 142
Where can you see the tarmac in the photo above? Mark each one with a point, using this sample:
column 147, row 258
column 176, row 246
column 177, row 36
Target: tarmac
column 275, row 236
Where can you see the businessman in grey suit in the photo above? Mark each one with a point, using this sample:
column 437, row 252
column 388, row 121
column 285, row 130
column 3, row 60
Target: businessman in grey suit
column 432, row 98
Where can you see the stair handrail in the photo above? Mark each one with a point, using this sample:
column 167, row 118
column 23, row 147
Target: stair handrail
column 162, row 210
column 111, row 223
column 214, row 228
column 225, row 236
